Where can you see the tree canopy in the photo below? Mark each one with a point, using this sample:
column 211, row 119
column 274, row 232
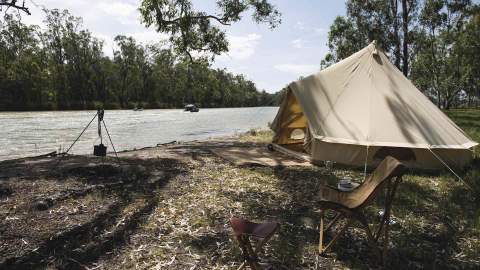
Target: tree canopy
column 196, row 31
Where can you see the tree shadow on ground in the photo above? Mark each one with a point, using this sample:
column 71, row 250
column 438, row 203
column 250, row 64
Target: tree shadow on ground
column 296, row 241
column 425, row 234
column 304, row 186
column 132, row 183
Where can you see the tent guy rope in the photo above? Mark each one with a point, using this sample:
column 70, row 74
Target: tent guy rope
column 451, row 170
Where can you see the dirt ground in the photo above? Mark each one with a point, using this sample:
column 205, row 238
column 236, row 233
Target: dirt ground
column 167, row 207
column 65, row 212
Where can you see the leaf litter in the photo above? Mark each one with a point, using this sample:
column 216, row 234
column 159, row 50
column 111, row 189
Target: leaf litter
column 185, row 221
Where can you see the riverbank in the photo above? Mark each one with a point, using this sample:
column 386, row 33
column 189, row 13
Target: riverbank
column 167, row 207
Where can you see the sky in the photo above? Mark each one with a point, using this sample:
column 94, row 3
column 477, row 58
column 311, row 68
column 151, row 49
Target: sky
column 270, row 58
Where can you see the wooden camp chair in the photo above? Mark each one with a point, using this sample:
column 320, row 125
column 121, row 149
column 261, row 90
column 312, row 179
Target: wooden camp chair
column 350, row 205
column 244, row 230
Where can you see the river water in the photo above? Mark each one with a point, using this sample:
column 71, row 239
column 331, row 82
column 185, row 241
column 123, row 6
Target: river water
column 33, row 133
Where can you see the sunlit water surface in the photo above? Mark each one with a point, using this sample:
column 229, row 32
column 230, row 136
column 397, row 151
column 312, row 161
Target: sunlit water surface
column 33, row 133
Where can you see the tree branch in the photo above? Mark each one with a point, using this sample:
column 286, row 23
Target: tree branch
column 192, row 30
column 13, row 4
column 222, row 21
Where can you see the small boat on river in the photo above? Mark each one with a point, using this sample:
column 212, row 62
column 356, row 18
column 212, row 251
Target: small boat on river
column 191, row 108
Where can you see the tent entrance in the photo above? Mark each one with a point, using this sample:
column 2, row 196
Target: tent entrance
column 290, row 125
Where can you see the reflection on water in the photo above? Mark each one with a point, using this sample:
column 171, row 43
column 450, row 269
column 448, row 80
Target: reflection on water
column 33, row 133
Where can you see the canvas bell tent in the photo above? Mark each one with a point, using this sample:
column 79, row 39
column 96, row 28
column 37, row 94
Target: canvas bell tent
column 363, row 109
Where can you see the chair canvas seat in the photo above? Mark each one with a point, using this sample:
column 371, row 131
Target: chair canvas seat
column 350, row 204
column 244, row 230
column 390, row 167
column 258, row 230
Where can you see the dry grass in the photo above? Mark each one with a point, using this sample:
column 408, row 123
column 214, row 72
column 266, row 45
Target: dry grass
column 189, row 227
column 438, row 218
column 438, row 221
column 257, row 136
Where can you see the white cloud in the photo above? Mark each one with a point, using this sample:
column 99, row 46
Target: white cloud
column 101, row 14
column 298, row 43
column 241, row 47
column 118, row 9
column 298, row 69
column 124, row 13
column 300, row 25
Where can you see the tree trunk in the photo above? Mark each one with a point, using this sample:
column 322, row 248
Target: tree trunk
column 397, row 53
column 123, row 90
column 447, row 104
column 405, row 14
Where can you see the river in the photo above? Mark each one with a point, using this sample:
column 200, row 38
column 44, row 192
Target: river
column 25, row 134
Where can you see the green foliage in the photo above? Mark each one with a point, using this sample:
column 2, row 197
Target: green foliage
column 196, row 31
column 434, row 42
column 447, row 53
column 468, row 121
column 390, row 23
column 343, row 40
column 63, row 67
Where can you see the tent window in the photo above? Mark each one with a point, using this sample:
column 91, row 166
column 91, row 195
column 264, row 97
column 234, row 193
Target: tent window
column 297, row 134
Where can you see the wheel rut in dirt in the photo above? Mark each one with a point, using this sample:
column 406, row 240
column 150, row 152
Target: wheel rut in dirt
column 108, row 207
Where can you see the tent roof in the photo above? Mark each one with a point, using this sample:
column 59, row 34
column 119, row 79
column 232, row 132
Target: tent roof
column 365, row 100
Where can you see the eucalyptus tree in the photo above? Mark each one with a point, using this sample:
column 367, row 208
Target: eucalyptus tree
column 144, row 60
column 443, row 66
column 54, row 45
column 21, row 76
column 163, row 70
column 390, row 23
column 469, row 43
column 194, row 31
column 82, row 52
column 126, row 58
column 344, row 39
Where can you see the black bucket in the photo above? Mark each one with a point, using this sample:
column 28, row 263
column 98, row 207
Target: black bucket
column 100, row 150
